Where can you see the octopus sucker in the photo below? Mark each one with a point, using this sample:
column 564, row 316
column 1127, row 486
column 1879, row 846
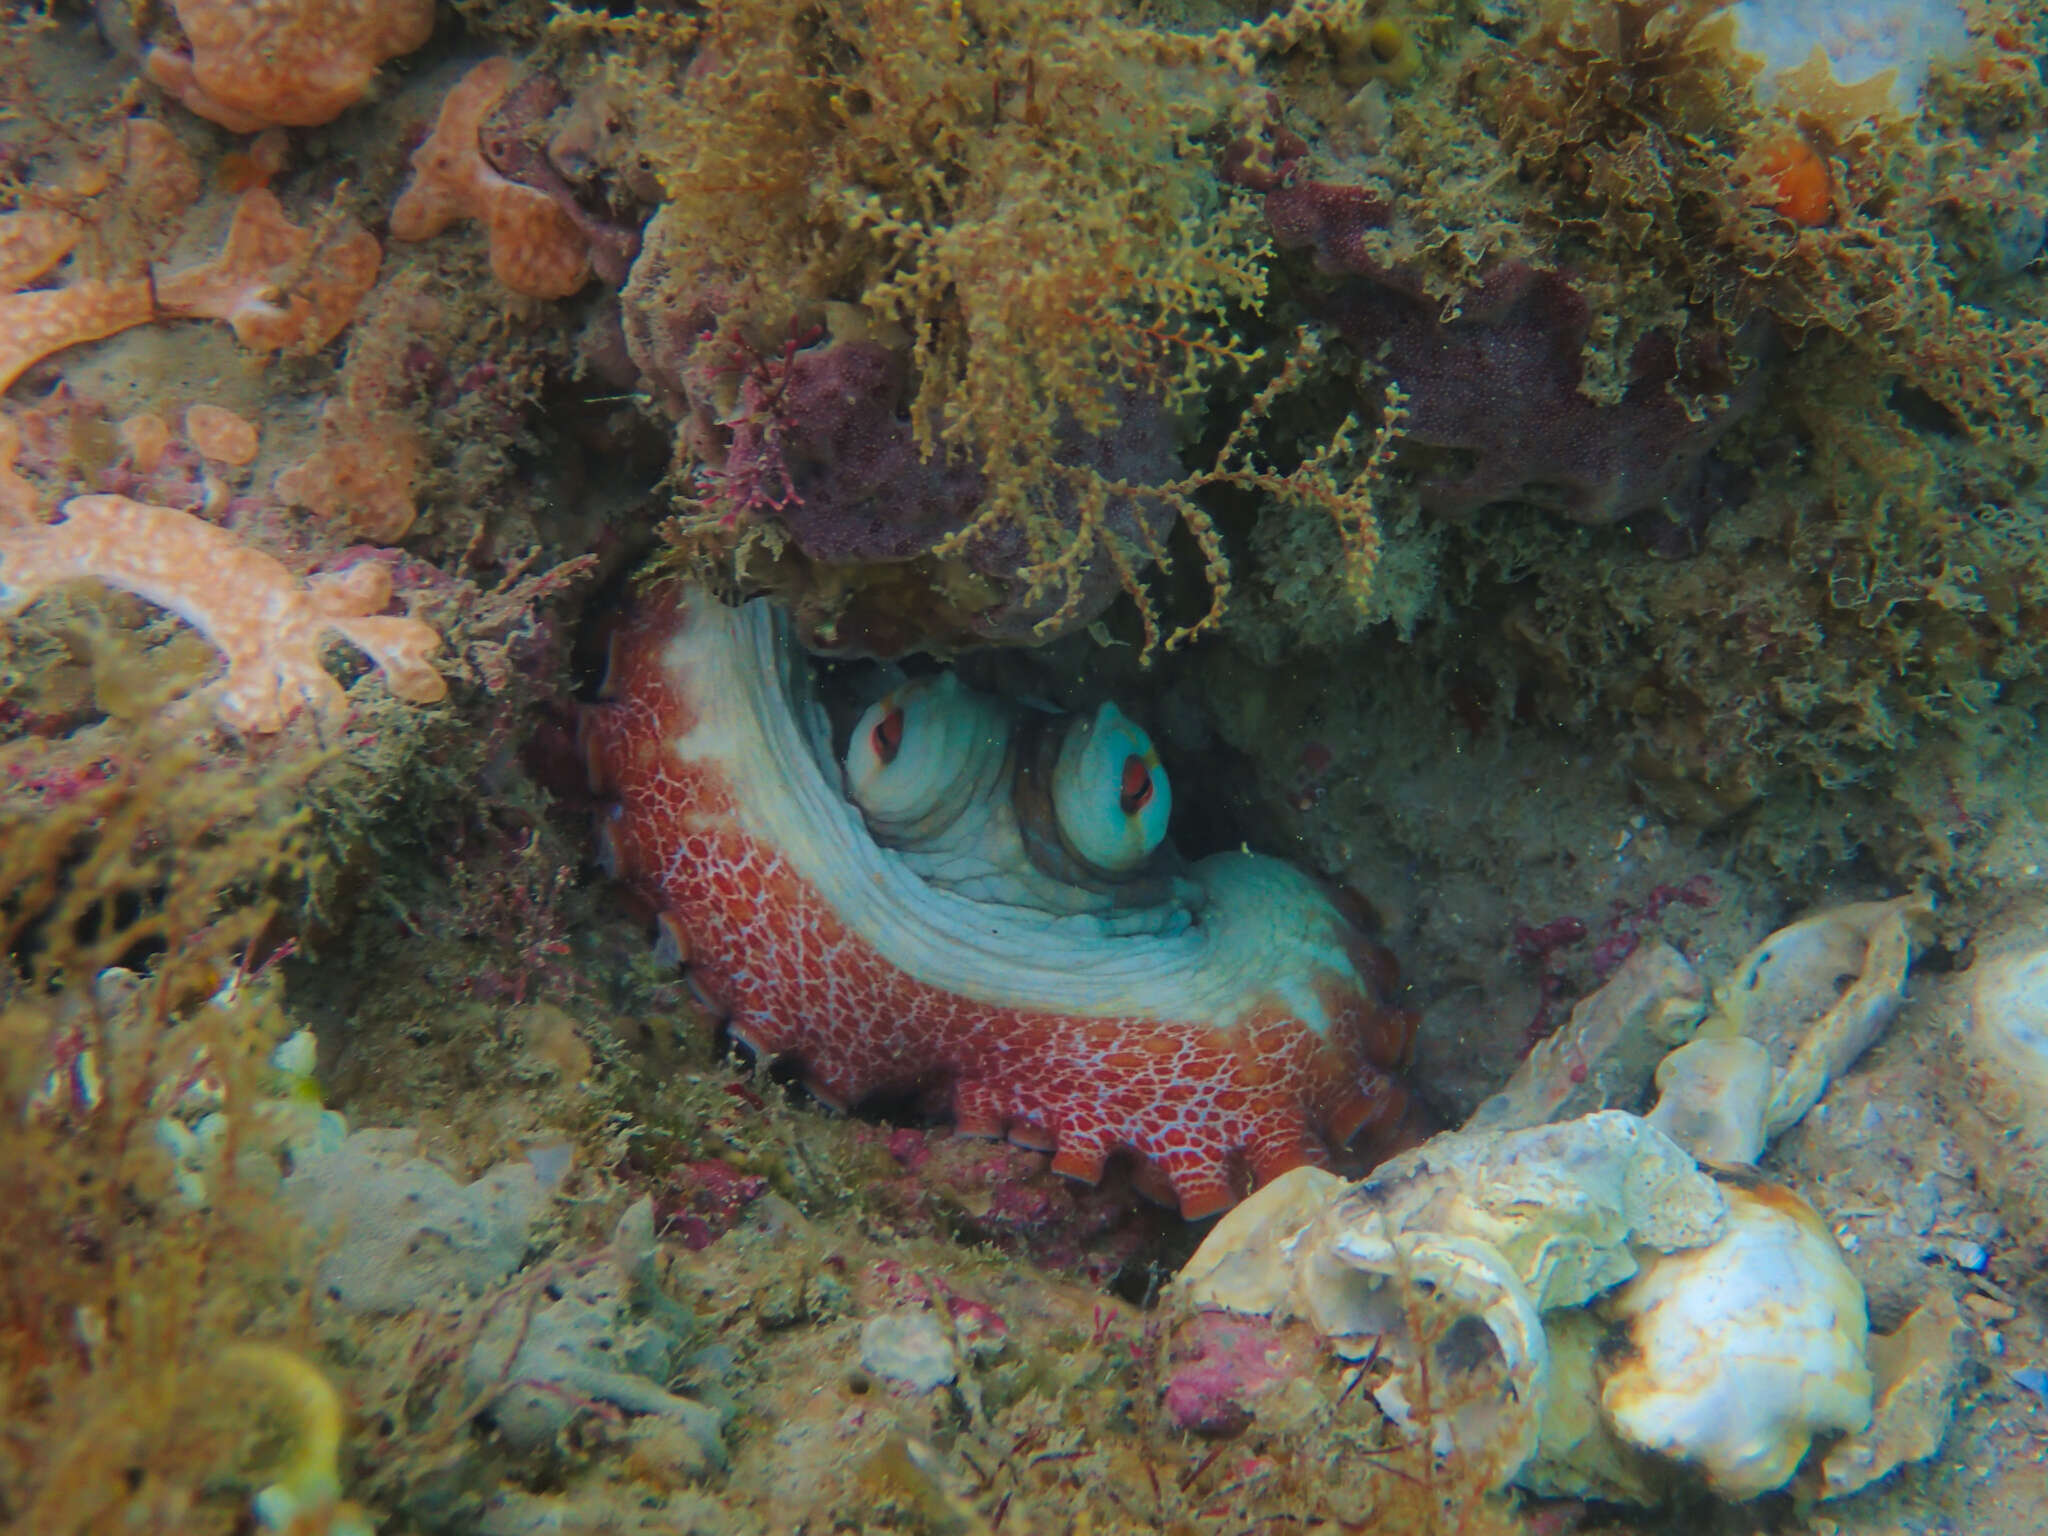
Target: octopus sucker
column 976, row 899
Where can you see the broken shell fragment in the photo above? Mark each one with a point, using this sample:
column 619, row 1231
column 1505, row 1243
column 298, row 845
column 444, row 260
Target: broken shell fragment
column 1604, row 1055
column 1246, row 1264
column 1742, row 1351
column 1712, row 1097
column 1916, row 1369
column 1817, row 993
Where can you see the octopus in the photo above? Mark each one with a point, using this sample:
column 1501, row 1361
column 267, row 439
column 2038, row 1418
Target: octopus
column 975, row 900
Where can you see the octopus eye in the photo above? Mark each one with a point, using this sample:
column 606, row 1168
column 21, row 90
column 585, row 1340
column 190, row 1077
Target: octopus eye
column 887, row 736
column 1109, row 793
column 1137, row 785
column 921, row 755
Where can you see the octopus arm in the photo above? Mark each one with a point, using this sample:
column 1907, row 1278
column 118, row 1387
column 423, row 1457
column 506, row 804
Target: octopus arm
column 1222, row 1049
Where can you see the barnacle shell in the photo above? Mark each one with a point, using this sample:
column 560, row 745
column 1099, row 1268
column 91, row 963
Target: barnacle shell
column 1742, row 1351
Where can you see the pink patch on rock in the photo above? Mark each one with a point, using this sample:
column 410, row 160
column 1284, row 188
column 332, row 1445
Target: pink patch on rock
column 1008, row 1197
column 1626, row 924
column 62, row 785
column 704, row 1201
column 1541, row 948
column 1227, row 1363
column 909, row 1148
column 979, row 1327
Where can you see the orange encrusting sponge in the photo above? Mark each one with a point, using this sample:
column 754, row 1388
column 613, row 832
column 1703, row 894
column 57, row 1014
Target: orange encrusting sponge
column 1796, row 181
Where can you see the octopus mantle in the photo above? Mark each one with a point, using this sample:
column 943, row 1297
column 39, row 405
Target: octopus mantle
column 1225, row 1034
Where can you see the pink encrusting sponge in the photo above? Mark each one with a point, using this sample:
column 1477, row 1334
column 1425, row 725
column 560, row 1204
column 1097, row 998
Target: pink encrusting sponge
column 976, row 900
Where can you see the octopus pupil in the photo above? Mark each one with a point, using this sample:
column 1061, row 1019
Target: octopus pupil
column 888, row 736
column 1137, row 785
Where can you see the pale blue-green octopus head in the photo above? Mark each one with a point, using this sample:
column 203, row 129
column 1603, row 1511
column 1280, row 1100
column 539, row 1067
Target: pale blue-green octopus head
column 1109, row 792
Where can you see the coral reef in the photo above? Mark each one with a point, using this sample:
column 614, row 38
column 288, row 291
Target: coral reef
column 141, row 1391
column 1495, row 403
column 1565, row 474
column 1684, row 249
column 278, row 286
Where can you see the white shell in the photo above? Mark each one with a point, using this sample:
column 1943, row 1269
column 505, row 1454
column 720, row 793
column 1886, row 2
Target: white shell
column 1750, row 1331
column 1490, row 1229
column 1744, row 1349
column 909, row 1346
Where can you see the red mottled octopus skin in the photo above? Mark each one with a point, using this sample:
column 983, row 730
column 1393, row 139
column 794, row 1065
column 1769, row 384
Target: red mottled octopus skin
column 1208, row 1111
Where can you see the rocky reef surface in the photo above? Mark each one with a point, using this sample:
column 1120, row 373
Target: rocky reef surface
column 1537, row 502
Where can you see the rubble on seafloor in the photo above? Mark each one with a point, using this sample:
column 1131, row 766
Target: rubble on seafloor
column 1564, row 475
